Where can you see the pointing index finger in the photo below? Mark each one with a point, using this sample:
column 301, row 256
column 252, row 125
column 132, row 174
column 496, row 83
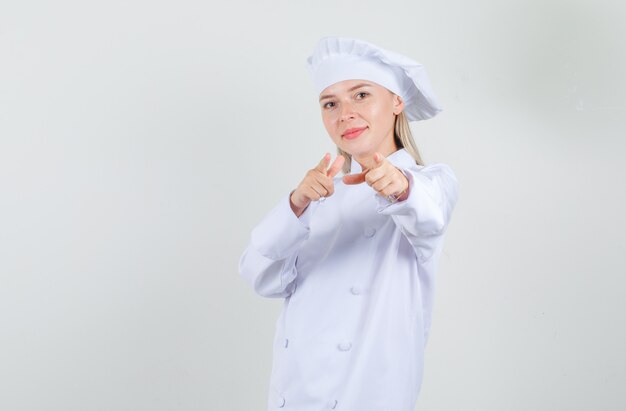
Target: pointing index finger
column 376, row 161
column 321, row 166
column 336, row 166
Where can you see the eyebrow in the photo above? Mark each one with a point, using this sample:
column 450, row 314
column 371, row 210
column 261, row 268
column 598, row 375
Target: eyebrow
column 350, row 89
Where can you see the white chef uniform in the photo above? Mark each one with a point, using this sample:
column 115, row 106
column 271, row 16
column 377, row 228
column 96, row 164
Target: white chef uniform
column 357, row 275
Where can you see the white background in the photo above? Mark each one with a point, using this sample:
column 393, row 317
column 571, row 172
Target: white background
column 141, row 141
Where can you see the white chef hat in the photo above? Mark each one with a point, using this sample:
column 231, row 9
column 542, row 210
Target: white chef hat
column 339, row 58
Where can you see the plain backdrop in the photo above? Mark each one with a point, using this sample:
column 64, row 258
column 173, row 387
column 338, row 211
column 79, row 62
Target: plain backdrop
column 141, row 142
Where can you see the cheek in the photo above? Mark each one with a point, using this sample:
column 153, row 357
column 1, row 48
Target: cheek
column 329, row 122
column 381, row 116
column 377, row 111
column 326, row 122
column 329, row 129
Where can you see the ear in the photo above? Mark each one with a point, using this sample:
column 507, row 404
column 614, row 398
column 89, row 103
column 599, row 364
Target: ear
column 398, row 104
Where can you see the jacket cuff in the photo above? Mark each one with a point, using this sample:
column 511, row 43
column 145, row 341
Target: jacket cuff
column 281, row 233
column 383, row 203
column 433, row 193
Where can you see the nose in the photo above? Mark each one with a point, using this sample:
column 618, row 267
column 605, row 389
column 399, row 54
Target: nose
column 347, row 112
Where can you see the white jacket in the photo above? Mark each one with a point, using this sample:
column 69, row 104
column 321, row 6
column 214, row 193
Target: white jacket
column 357, row 275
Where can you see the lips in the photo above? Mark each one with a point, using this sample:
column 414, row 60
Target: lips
column 353, row 132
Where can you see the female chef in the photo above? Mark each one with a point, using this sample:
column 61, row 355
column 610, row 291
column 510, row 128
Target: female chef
column 354, row 257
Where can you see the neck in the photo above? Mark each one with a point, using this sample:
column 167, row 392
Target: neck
column 384, row 150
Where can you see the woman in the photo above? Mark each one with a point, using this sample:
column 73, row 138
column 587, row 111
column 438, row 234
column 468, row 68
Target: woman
column 354, row 257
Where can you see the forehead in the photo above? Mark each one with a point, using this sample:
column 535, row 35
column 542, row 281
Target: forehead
column 345, row 86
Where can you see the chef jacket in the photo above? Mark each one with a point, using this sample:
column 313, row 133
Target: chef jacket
column 357, row 275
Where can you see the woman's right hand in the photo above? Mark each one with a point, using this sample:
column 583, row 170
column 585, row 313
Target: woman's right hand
column 317, row 183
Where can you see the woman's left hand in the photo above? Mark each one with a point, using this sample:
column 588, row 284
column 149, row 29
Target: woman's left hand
column 385, row 178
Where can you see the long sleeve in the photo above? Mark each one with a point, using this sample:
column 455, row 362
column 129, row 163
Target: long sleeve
column 424, row 215
column 269, row 261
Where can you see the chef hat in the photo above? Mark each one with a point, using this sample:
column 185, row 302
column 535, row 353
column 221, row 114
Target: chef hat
column 338, row 58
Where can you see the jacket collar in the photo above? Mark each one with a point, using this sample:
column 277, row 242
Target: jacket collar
column 399, row 158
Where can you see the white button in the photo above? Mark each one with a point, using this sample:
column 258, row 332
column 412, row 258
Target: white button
column 332, row 404
column 344, row 346
column 280, row 402
column 355, row 290
column 369, row 231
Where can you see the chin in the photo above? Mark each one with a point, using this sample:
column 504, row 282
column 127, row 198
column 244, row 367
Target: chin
column 359, row 151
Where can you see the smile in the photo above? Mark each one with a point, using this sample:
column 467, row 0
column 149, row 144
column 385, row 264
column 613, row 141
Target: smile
column 353, row 133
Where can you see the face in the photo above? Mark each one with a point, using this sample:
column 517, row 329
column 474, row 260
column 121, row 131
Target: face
column 359, row 117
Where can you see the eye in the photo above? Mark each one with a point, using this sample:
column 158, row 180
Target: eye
column 327, row 104
column 362, row 92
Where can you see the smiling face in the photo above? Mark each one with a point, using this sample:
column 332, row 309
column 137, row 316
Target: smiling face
column 359, row 117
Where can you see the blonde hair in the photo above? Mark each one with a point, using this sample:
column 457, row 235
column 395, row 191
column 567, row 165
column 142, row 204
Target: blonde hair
column 402, row 137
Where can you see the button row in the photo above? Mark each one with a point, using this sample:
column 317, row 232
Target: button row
column 369, row 231
column 354, row 289
column 280, row 403
column 342, row 346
